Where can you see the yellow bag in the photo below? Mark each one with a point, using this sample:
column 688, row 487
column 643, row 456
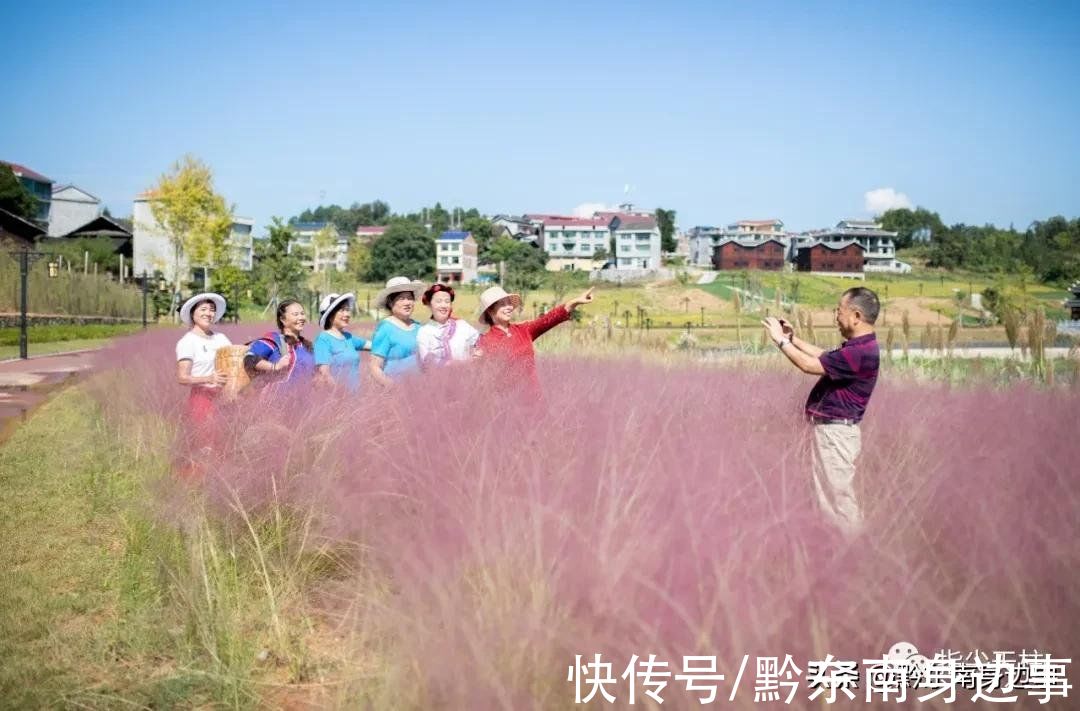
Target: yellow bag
column 230, row 361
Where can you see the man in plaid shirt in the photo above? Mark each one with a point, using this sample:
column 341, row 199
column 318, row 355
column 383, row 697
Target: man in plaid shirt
column 838, row 401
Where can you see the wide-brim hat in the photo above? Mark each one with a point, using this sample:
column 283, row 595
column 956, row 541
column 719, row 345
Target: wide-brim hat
column 398, row 284
column 329, row 304
column 492, row 296
column 217, row 299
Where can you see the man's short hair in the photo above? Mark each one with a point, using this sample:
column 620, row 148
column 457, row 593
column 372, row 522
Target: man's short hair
column 865, row 300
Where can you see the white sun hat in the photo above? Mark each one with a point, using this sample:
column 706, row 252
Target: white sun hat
column 493, row 295
column 398, row 284
column 217, row 299
column 330, row 302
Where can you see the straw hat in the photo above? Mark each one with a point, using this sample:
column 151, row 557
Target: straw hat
column 330, row 302
column 396, row 285
column 217, row 299
column 493, row 295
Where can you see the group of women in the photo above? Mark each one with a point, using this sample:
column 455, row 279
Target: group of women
column 399, row 348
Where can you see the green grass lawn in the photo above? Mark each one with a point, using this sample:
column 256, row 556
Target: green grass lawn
column 41, row 349
column 67, row 332
column 822, row 291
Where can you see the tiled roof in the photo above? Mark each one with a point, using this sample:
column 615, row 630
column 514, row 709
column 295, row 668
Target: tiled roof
column 636, row 222
column 23, row 171
column 577, row 222
column 833, row 245
column 371, row 230
column 748, row 243
column 449, row 236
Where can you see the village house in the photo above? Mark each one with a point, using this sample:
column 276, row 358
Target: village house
column 732, row 253
column 456, row 258
column 316, row 257
column 367, row 234
column 71, row 207
column 571, row 243
column 878, row 244
column 834, row 258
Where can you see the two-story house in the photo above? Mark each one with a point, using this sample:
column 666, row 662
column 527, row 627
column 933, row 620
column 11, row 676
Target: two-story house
column 455, row 257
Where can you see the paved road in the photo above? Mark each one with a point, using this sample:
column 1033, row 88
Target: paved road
column 24, row 384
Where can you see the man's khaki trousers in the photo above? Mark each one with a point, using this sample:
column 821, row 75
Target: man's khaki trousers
column 835, row 448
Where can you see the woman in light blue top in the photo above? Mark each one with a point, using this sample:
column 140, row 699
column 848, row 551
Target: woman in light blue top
column 393, row 345
column 337, row 352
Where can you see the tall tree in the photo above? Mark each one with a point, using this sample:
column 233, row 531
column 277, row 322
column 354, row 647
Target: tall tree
column 483, row 233
column 14, row 197
column 358, row 260
column 523, row 264
column 439, row 219
column 665, row 220
column 906, row 222
column 195, row 218
column 279, row 274
column 405, row 249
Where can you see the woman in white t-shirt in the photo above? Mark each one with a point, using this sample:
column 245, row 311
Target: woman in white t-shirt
column 444, row 339
column 195, row 353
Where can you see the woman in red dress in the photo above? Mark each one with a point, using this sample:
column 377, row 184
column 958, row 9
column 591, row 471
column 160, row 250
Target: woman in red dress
column 512, row 343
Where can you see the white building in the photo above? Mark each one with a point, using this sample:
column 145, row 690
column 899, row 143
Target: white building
column 242, row 238
column 572, row 242
column 152, row 250
column 702, row 240
column 637, row 240
column 880, row 249
column 329, row 257
column 456, row 257
column 71, row 208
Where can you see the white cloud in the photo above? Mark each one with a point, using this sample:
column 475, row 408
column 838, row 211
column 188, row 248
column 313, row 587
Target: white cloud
column 586, row 209
column 883, row 199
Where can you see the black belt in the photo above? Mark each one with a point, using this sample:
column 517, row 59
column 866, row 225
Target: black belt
column 814, row 419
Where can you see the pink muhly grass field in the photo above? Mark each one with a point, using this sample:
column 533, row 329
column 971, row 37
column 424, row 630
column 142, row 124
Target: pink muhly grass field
column 643, row 510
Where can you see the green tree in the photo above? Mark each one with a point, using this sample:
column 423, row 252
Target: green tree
column 358, row 260
column 233, row 283
column 484, row 235
column 14, row 197
column 665, row 220
column 278, row 273
column 439, row 219
column 193, row 216
column 85, row 250
column 905, row 222
column 405, row 249
column 601, row 255
column 524, row 264
column 323, row 243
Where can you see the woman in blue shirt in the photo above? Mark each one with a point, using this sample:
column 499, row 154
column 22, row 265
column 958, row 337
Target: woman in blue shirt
column 284, row 356
column 337, row 352
column 393, row 345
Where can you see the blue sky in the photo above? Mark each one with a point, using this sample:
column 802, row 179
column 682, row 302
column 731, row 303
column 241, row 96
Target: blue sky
column 722, row 111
